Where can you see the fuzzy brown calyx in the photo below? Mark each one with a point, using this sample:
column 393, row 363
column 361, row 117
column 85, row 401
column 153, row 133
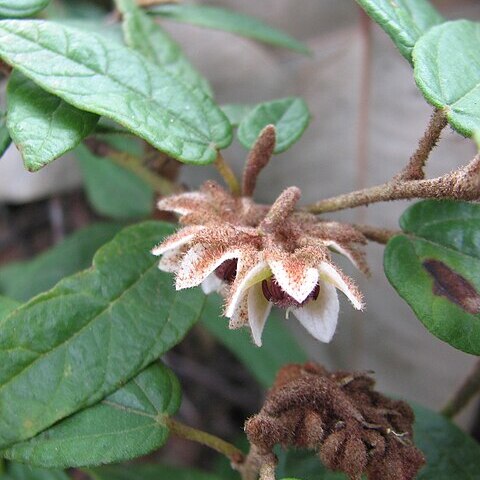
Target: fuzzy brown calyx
column 257, row 256
column 353, row 428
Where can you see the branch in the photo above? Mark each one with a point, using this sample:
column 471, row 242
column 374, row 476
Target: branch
column 257, row 463
column 461, row 184
column 375, row 234
column 415, row 168
column 227, row 174
column 235, row 455
column 129, row 162
column 469, row 389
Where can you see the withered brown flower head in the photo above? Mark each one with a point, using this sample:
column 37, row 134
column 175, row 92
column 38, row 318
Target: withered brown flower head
column 353, row 428
column 257, row 255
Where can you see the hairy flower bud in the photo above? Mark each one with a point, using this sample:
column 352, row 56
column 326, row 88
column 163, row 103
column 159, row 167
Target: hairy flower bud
column 353, row 428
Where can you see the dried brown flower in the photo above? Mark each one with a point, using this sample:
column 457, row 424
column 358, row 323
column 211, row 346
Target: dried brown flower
column 353, row 428
column 258, row 256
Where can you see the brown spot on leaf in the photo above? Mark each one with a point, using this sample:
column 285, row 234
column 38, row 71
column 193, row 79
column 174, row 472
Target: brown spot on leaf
column 453, row 286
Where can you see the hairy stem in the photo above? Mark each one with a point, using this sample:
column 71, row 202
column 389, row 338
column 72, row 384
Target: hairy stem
column 129, row 162
column 375, row 234
column 415, row 168
column 467, row 391
column 256, row 464
column 235, row 455
column 227, row 174
column 462, row 184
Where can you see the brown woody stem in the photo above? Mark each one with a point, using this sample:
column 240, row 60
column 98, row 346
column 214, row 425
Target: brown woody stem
column 228, row 175
column 467, row 391
column 462, row 184
column 375, row 234
column 129, row 162
column 235, row 455
column 415, row 168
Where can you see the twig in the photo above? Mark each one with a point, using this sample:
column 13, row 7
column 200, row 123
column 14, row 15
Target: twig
column 257, row 463
column 267, row 471
column 461, row 184
column 129, row 162
column 235, row 455
column 468, row 390
column 227, row 174
column 415, row 168
column 375, row 234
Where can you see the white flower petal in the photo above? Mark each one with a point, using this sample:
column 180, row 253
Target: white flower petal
column 338, row 248
column 240, row 315
column 258, row 310
column 182, row 204
column 319, row 317
column 294, row 277
column 331, row 274
column 198, row 263
column 178, row 239
column 170, row 261
column 255, row 274
column 211, row 284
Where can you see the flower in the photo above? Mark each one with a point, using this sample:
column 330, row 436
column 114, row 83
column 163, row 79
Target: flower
column 257, row 256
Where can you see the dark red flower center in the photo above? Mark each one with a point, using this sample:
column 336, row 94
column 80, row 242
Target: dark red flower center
column 227, row 271
column 274, row 293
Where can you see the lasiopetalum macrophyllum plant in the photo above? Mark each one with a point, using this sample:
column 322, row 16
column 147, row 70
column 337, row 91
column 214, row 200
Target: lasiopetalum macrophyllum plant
column 93, row 334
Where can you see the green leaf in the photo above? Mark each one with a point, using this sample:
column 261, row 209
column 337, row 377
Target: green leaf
column 148, row 38
column 7, row 305
column 450, row 452
column 23, row 280
column 149, row 472
column 229, row 21
column 405, row 21
column 435, row 268
column 127, row 424
column 5, row 139
column 112, row 190
column 103, row 77
column 289, row 115
column 43, row 126
column 17, row 471
column 69, row 347
column 447, row 71
column 236, row 112
column 21, row 8
column 279, row 346
column 97, row 24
